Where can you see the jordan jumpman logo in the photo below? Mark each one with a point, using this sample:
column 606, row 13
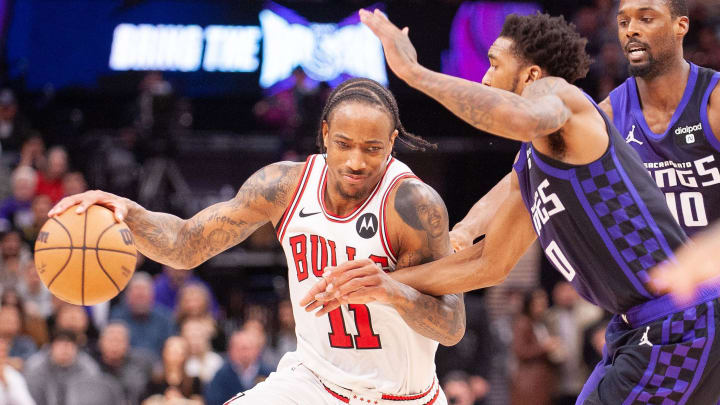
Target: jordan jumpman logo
column 631, row 136
column 644, row 340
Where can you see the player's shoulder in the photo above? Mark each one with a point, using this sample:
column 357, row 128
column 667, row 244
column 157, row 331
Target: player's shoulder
column 275, row 182
column 572, row 96
column 281, row 172
column 417, row 204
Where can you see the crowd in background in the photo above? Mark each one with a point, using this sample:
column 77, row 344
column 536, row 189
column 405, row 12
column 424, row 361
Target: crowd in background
column 168, row 339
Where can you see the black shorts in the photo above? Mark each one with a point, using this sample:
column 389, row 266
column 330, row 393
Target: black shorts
column 673, row 360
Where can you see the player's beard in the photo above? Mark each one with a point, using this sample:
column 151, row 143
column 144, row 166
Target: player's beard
column 655, row 66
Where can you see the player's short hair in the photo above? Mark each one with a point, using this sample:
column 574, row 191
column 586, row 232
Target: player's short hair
column 549, row 42
column 678, row 8
column 370, row 92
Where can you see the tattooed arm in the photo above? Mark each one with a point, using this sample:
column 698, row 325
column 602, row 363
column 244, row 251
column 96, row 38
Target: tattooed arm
column 184, row 244
column 417, row 223
column 418, row 226
column 540, row 112
column 482, row 265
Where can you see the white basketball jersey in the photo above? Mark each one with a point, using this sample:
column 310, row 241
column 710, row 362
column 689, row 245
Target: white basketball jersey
column 359, row 347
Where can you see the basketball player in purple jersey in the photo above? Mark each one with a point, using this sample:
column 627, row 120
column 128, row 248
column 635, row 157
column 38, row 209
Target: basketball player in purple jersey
column 669, row 109
column 584, row 192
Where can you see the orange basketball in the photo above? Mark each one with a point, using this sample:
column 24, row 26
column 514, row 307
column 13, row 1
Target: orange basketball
column 85, row 259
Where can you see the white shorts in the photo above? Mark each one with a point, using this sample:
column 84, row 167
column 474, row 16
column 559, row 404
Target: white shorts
column 295, row 384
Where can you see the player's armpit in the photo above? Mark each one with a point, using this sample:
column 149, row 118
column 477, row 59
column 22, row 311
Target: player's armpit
column 185, row 244
column 484, row 264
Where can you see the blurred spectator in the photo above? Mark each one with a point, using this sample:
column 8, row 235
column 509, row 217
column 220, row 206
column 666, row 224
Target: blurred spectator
column 293, row 112
column 456, row 386
column 15, row 210
column 242, row 369
column 566, row 319
column 706, row 52
column 149, row 325
column 93, row 390
column 37, row 298
column 13, row 388
column 32, row 153
column 536, row 351
column 203, row 362
column 115, row 167
column 129, row 366
column 171, row 281
column 5, row 183
column 40, row 206
column 50, row 180
column 172, row 382
column 14, row 256
column 73, row 183
column 594, row 342
column 50, row 372
column 285, row 339
column 194, row 301
column 33, row 326
column 75, row 319
column 472, row 356
column 14, row 129
column 11, row 331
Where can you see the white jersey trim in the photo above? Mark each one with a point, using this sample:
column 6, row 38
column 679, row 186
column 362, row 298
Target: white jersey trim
column 297, row 196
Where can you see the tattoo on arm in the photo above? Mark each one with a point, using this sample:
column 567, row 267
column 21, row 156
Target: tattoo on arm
column 439, row 318
column 497, row 111
column 186, row 243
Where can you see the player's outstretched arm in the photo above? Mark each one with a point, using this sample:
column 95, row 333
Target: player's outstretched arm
column 419, row 227
column 540, row 112
column 478, row 218
column 186, row 243
column 695, row 263
column 482, row 265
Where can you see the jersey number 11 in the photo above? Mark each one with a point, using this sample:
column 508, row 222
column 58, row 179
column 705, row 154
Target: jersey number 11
column 365, row 338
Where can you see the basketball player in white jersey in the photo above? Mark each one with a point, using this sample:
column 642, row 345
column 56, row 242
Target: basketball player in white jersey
column 353, row 201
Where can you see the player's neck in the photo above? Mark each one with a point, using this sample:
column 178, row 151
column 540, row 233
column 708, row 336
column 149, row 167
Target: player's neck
column 338, row 204
column 664, row 91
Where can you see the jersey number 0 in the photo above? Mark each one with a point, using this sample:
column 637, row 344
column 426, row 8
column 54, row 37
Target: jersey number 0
column 365, row 338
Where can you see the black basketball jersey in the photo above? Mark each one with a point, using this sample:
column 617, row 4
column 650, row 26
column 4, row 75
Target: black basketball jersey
column 684, row 161
column 603, row 225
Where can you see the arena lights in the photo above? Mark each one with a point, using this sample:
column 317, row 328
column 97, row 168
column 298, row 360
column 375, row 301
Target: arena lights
column 324, row 51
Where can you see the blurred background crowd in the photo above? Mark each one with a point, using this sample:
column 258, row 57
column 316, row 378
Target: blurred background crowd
column 200, row 336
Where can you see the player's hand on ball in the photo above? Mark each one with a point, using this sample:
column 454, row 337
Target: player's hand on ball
column 83, row 200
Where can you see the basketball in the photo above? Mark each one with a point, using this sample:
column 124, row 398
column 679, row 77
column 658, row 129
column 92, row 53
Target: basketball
column 87, row 258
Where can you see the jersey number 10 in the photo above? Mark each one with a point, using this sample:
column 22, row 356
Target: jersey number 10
column 365, row 338
column 688, row 202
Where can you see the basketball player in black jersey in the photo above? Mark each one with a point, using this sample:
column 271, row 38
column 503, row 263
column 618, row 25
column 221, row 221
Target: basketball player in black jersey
column 584, row 193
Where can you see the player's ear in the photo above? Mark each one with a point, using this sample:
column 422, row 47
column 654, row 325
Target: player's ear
column 392, row 139
column 532, row 73
column 325, row 131
column 682, row 26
